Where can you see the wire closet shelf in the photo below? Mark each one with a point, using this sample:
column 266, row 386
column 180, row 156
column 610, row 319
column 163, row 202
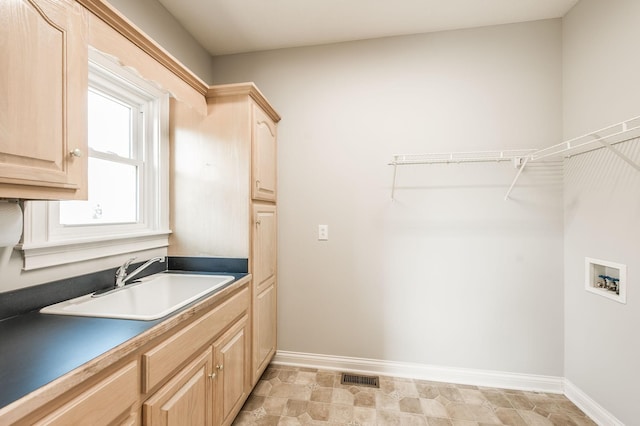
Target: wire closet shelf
column 607, row 138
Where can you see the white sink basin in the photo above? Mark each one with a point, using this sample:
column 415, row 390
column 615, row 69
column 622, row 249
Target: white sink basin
column 154, row 297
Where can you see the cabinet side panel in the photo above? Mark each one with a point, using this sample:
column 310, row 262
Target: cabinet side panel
column 210, row 158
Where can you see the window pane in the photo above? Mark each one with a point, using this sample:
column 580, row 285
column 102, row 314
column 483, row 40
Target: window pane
column 109, row 125
column 113, row 196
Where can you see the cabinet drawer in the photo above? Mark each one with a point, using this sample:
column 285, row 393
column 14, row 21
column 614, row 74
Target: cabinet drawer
column 165, row 358
column 110, row 401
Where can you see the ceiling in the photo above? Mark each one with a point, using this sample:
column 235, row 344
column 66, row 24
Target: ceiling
column 236, row 26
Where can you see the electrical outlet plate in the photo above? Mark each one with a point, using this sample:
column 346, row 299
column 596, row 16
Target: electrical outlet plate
column 323, row 232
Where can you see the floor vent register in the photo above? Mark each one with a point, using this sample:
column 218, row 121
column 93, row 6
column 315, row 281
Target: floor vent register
column 359, row 380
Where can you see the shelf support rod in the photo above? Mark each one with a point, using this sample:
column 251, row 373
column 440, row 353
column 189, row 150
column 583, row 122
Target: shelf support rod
column 619, row 154
column 515, row 179
column 393, row 185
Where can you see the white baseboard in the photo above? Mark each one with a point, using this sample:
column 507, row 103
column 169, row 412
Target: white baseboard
column 590, row 407
column 486, row 378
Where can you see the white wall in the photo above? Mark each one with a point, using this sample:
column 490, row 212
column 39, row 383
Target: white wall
column 602, row 206
column 156, row 21
column 449, row 274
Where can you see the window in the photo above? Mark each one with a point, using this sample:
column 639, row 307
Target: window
column 127, row 206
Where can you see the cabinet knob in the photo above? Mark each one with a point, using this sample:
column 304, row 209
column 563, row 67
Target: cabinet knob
column 257, row 183
column 76, row 153
column 220, row 367
column 258, row 222
column 212, row 376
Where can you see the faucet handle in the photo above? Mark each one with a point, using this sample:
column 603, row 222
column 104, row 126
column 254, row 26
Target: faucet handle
column 123, row 269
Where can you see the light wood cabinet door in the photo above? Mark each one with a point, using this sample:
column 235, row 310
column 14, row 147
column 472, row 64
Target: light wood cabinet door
column 264, row 329
column 231, row 366
column 43, row 99
column 263, row 156
column 263, row 268
column 264, row 244
column 184, row 400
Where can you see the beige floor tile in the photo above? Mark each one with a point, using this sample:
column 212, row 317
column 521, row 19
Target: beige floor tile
column 289, row 421
column 302, row 392
column 305, row 378
column 342, row 396
column 546, row 408
column 408, row 419
column 451, row 393
column 569, row 408
column 364, row 416
column 318, row 410
column 433, row 408
column 410, row 405
column 386, row 402
column 295, row 407
column 282, row 390
column 365, row 399
column 321, row 394
column 520, row 402
column 263, row 388
column 464, row 423
column 497, row 399
column 267, row 421
column 473, row 396
column 340, row 413
column 253, row 402
column 435, row 421
column 427, row 391
column 245, row 418
column 406, row 389
column 534, row 419
column 510, row 417
column 287, row 376
column 389, row 418
column 327, row 379
column 387, row 384
column 274, row 406
column 460, row 411
column 561, row 420
column 582, row 420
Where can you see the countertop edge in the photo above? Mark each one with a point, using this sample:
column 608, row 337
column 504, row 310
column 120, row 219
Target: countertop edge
column 52, row 390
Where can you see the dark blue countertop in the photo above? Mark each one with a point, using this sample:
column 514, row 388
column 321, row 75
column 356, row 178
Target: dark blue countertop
column 36, row 349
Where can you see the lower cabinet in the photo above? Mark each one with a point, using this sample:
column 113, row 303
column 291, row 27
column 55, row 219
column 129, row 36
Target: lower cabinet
column 231, row 372
column 264, row 327
column 210, row 389
column 184, row 399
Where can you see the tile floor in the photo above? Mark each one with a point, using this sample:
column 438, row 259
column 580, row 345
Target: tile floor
column 303, row 396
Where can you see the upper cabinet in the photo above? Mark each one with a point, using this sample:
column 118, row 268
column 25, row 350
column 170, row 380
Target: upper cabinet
column 263, row 155
column 43, row 99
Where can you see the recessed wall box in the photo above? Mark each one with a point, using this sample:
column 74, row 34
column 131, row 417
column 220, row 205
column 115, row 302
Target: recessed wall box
column 608, row 279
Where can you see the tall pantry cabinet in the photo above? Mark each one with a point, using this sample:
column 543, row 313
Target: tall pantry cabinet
column 224, row 196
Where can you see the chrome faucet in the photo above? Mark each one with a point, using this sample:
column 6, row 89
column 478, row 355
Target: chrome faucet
column 121, row 275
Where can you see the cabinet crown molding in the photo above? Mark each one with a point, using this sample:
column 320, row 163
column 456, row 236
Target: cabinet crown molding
column 245, row 89
column 129, row 30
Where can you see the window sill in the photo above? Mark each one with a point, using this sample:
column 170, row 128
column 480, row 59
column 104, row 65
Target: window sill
column 54, row 253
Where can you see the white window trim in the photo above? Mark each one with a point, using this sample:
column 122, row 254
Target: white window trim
column 46, row 243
